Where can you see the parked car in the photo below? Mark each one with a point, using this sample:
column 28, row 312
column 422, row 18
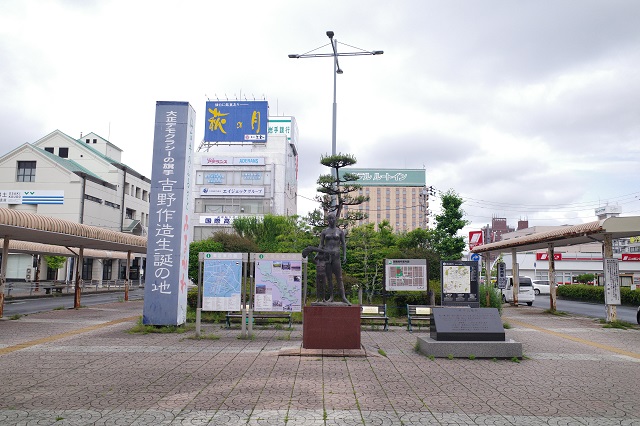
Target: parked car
column 525, row 291
column 541, row 287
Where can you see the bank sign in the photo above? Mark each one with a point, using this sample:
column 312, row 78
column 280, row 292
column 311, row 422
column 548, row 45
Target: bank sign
column 236, row 121
column 387, row 177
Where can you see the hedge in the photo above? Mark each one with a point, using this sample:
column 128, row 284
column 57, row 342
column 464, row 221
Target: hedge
column 591, row 293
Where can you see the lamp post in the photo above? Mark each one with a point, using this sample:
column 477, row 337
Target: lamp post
column 336, row 70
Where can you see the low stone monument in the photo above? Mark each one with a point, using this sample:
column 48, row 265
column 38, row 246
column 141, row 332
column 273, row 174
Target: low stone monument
column 467, row 332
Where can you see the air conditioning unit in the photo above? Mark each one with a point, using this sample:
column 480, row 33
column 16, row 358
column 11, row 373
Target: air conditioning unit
column 29, row 276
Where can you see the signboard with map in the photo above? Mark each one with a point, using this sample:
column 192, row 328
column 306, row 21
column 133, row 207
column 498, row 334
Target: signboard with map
column 405, row 274
column 221, row 281
column 278, row 282
column 459, row 281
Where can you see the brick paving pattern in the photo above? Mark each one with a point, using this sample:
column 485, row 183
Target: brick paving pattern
column 81, row 367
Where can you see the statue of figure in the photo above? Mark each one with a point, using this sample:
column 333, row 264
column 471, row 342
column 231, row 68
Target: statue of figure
column 320, row 260
column 332, row 241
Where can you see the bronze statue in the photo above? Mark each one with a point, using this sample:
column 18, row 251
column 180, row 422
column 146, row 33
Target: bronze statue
column 332, row 241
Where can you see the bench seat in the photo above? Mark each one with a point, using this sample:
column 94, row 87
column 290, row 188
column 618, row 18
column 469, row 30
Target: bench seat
column 375, row 313
column 418, row 313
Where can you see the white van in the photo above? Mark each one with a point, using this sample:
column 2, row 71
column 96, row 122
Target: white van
column 525, row 292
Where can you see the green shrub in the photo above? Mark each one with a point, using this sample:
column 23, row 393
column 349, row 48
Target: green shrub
column 495, row 297
column 192, row 298
column 595, row 294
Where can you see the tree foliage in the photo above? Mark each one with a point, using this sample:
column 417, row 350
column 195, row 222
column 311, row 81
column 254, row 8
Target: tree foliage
column 55, row 262
column 445, row 239
column 342, row 188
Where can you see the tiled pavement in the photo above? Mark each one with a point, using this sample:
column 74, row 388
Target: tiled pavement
column 80, row 367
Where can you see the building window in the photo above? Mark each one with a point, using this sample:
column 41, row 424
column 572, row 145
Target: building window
column 87, row 140
column 95, row 141
column 107, row 267
column 26, row 171
column 63, row 152
column 87, row 269
column 49, row 149
column 110, row 204
column 130, row 214
column 92, row 198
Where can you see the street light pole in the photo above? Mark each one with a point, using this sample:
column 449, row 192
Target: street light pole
column 336, row 70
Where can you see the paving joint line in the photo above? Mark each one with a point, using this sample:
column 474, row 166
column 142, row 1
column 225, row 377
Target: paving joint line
column 577, row 339
column 55, row 337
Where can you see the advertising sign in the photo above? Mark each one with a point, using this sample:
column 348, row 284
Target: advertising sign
column 278, row 282
column 545, row 256
column 233, row 191
column 170, row 208
column 211, row 160
column 15, row 196
column 221, row 281
column 387, row 177
column 406, row 275
column 459, row 280
column 475, row 239
column 236, row 121
column 217, row 220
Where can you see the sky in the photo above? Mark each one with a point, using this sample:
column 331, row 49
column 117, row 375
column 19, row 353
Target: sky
column 528, row 110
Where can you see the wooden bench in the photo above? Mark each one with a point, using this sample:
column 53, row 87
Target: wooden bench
column 418, row 313
column 375, row 313
column 260, row 315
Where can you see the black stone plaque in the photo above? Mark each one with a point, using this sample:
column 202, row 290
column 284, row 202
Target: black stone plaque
column 467, row 324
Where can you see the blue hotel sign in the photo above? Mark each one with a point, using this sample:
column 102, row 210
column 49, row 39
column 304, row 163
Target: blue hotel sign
column 236, row 121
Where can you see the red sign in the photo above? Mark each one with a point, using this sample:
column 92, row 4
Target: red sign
column 475, row 239
column 545, row 256
column 634, row 257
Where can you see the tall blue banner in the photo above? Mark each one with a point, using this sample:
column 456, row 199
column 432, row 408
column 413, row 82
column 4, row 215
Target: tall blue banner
column 170, row 207
column 236, row 121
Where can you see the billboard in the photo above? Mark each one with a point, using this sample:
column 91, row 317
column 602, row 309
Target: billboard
column 236, row 121
column 170, row 207
column 387, row 177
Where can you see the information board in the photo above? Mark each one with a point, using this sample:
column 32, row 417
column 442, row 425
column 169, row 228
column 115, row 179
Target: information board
column 278, row 282
column 459, row 283
column 611, row 282
column 406, row 274
column 221, row 281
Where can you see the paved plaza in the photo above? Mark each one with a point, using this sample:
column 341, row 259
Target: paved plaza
column 82, row 367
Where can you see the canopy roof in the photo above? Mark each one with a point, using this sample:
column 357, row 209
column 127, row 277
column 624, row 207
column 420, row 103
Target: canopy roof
column 618, row 227
column 23, row 226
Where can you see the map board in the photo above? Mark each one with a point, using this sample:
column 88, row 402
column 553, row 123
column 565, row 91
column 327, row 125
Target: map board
column 221, row 281
column 405, row 274
column 459, row 281
column 278, row 282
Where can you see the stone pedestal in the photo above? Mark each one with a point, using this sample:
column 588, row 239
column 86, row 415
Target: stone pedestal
column 331, row 327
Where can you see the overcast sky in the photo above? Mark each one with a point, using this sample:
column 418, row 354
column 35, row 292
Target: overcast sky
column 527, row 109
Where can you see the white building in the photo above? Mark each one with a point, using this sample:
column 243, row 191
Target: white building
column 254, row 179
column 81, row 180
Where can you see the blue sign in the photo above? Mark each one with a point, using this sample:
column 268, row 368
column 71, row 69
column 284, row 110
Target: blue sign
column 475, row 257
column 236, row 121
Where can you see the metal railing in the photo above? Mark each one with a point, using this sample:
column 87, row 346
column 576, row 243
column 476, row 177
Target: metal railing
column 21, row 288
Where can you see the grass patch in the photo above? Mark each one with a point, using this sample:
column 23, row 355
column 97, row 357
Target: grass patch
column 621, row 325
column 285, row 337
column 382, row 352
column 506, row 325
column 472, row 357
column 450, row 356
column 555, row 312
column 431, row 357
column 141, row 328
column 15, row 317
column 59, row 308
column 206, row 337
column 515, row 359
column 251, row 336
